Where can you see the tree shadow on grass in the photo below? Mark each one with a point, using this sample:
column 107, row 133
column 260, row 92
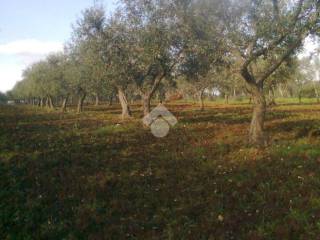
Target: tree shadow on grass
column 300, row 128
column 227, row 118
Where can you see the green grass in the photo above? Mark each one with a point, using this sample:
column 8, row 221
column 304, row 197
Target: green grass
column 93, row 176
column 113, row 129
column 245, row 100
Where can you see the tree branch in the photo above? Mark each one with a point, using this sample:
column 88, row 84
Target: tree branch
column 277, row 64
column 277, row 41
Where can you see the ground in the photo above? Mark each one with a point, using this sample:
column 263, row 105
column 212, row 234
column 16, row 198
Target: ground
column 93, row 176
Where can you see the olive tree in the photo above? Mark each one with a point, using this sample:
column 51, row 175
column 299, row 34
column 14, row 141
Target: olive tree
column 84, row 50
column 267, row 32
column 155, row 45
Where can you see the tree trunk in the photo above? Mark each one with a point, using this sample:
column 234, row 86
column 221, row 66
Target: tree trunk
column 51, row 106
column 162, row 96
column 300, row 98
column 226, row 99
column 147, row 95
column 201, row 100
column 97, row 100
column 41, row 102
column 64, row 104
column 256, row 135
column 47, row 102
column 194, row 98
column 316, row 92
column 126, row 113
column 111, row 100
column 272, row 101
column 146, row 98
column 80, row 103
column 281, row 91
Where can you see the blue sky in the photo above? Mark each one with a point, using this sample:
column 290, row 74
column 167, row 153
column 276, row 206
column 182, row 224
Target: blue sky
column 30, row 29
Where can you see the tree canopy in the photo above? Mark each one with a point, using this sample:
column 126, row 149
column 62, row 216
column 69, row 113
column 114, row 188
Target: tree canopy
column 246, row 46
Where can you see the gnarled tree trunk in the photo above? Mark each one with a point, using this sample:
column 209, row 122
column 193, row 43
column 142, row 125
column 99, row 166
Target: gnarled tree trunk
column 64, row 104
column 272, row 98
column 146, row 99
column 256, row 134
column 201, row 100
column 51, row 106
column 80, row 102
column 97, row 100
column 226, row 98
column 148, row 94
column 41, row 102
column 47, row 102
column 126, row 113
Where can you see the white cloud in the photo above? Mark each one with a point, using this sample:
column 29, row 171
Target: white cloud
column 17, row 55
column 9, row 75
column 30, row 47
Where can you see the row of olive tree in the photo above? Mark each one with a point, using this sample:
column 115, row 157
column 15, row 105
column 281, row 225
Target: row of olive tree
column 206, row 42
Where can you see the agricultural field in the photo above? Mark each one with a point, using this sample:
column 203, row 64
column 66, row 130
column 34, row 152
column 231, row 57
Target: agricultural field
column 95, row 176
column 160, row 119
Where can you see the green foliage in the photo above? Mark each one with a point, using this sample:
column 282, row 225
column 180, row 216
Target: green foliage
column 209, row 43
column 85, row 49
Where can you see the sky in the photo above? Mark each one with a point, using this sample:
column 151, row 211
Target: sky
column 31, row 29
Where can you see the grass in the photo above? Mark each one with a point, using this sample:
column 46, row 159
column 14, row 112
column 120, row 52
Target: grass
column 93, row 176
